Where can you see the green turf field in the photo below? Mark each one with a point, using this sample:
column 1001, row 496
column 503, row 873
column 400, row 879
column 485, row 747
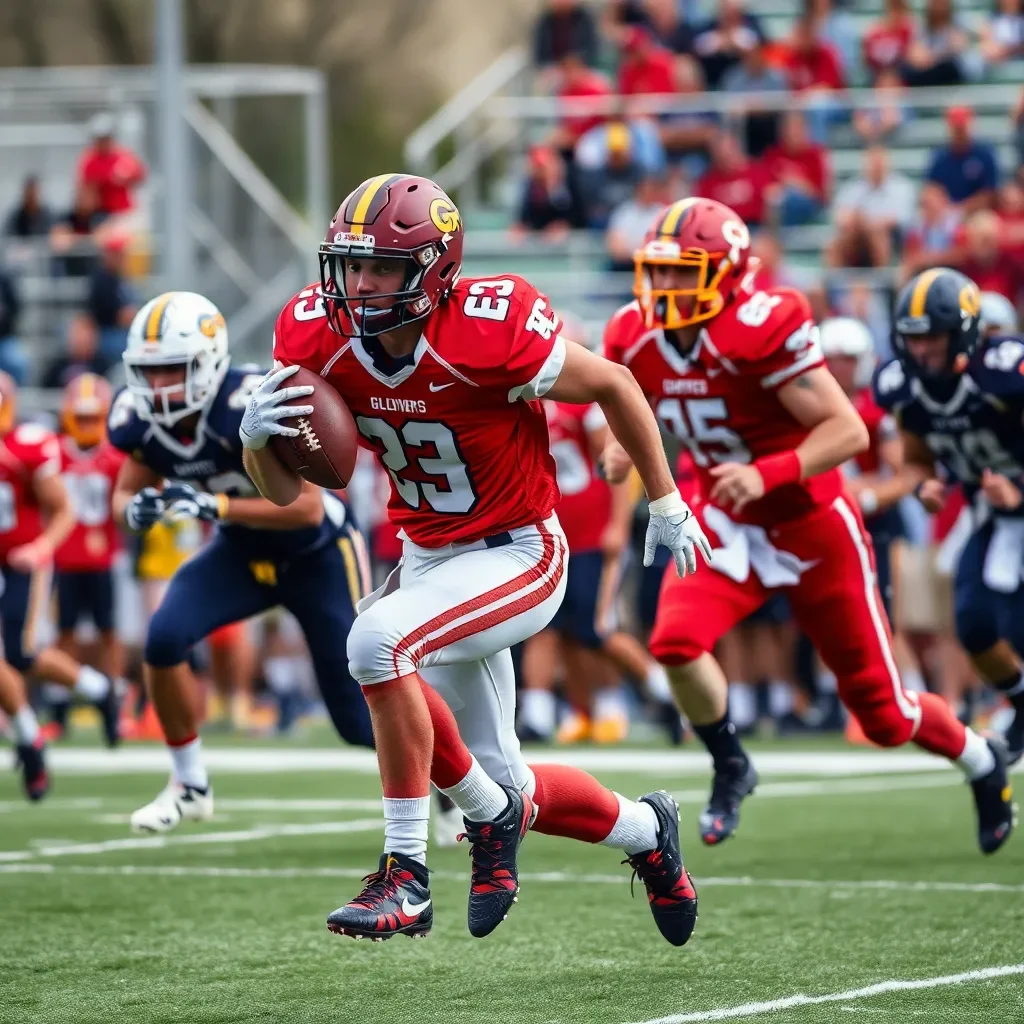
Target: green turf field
column 834, row 886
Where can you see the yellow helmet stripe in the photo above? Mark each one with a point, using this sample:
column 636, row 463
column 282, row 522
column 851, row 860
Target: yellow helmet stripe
column 156, row 316
column 360, row 213
column 920, row 294
column 87, row 386
column 673, row 216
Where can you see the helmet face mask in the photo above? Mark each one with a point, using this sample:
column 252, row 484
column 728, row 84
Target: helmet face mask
column 392, row 217
column 701, row 236
column 178, row 331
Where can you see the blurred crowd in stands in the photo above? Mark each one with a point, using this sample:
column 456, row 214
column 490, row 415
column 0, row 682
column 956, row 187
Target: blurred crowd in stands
column 87, row 236
column 611, row 170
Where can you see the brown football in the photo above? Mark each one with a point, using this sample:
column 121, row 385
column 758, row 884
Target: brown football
column 324, row 452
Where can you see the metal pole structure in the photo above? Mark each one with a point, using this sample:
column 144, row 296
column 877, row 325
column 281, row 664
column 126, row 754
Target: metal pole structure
column 318, row 163
column 175, row 165
column 221, row 195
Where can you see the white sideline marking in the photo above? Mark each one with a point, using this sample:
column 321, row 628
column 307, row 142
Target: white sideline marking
column 882, row 988
column 539, row 877
column 192, row 839
column 256, row 760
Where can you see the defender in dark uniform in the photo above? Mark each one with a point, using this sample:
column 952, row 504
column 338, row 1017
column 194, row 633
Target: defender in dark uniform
column 178, row 422
column 960, row 406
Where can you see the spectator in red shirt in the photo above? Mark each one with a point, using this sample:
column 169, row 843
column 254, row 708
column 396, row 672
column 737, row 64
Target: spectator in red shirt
column 811, row 62
column 735, row 180
column 114, row 170
column 578, row 82
column 799, row 169
column 646, row 69
column 984, row 258
column 815, row 69
column 887, row 41
column 1011, row 211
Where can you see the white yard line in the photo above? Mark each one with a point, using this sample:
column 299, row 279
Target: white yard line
column 882, row 988
column 191, row 839
column 527, row 877
column 662, row 763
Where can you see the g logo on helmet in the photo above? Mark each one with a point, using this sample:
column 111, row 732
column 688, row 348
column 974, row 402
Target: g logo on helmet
column 970, row 300
column 444, row 216
column 210, row 325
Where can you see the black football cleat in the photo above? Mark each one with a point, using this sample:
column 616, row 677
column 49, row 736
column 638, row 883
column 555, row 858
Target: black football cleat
column 29, row 758
column 721, row 817
column 110, row 713
column 494, row 878
column 1014, row 737
column 993, row 798
column 394, row 901
column 670, row 891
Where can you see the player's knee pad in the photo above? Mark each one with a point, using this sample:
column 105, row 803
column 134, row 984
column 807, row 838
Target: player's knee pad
column 670, row 650
column 166, row 642
column 976, row 627
column 373, row 655
column 885, row 722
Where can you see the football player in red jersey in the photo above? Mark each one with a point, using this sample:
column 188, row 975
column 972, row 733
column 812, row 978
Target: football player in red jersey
column 83, row 563
column 596, row 521
column 35, row 517
column 738, row 375
column 443, row 376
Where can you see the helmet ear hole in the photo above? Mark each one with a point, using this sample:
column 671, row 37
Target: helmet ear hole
column 446, row 271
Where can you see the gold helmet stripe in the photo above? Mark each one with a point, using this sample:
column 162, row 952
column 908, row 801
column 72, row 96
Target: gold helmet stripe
column 362, row 212
column 154, row 322
column 919, row 296
column 674, row 214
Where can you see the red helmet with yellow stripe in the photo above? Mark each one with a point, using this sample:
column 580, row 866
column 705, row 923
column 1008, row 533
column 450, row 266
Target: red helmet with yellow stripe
column 694, row 233
column 84, row 409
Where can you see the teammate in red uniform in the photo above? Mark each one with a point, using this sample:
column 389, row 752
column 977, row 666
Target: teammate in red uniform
column 35, row 517
column 443, row 376
column 738, row 375
column 596, row 520
column 83, row 563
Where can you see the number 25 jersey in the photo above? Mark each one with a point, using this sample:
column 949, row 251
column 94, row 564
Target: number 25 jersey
column 458, row 426
column 720, row 399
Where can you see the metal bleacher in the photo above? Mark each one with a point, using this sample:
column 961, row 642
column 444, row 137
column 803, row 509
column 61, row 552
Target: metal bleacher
column 487, row 127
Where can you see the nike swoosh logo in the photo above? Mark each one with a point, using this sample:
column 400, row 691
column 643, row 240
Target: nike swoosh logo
column 713, row 373
column 440, row 387
column 413, row 909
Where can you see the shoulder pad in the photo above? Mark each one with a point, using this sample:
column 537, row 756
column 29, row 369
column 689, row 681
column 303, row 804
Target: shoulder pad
column 768, row 320
column 624, row 327
column 998, row 367
column 890, row 386
column 124, row 427
column 299, row 332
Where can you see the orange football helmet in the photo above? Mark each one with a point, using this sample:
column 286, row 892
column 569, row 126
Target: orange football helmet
column 698, row 233
column 8, row 403
column 84, row 409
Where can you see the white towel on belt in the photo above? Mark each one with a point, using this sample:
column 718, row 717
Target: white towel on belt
column 744, row 547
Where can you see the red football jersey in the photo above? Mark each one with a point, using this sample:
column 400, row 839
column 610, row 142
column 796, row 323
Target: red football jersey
column 89, row 478
column 881, row 426
column 586, row 504
column 458, row 428
column 720, row 400
column 29, row 453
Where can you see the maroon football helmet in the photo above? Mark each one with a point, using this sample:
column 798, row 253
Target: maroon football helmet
column 391, row 216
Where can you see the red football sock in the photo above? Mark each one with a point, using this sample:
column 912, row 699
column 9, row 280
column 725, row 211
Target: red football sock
column 403, row 734
column 573, row 804
column 452, row 759
column 940, row 731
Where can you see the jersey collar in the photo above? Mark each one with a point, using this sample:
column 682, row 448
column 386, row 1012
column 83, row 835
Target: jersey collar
column 396, row 379
column 680, row 364
column 964, row 388
column 176, row 445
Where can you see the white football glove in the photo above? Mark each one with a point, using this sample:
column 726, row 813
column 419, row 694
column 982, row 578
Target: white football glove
column 264, row 410
column 675, row 526
column 145, row 509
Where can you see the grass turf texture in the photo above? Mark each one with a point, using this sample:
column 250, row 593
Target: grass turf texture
column 143, row 934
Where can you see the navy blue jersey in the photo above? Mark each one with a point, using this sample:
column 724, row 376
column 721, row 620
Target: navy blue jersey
column 980, row 427
column 212, row 461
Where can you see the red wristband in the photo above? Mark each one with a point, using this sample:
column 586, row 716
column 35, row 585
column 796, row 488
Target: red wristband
column 777, row 470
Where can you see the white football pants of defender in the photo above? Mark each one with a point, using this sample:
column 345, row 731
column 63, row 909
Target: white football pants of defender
column 451, row 614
